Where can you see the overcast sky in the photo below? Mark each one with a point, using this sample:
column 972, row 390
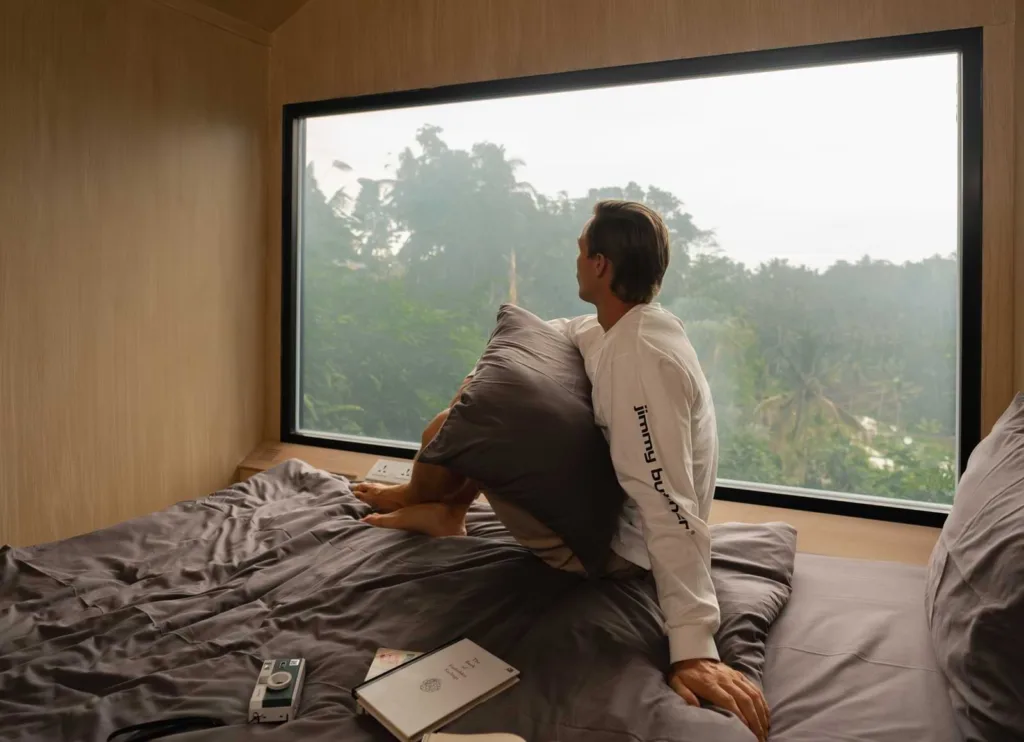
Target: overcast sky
column 814, row 165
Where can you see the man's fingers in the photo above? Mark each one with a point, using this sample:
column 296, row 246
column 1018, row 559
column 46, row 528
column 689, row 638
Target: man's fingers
column 685, row 693
column 757, row 698
column 726, row 697
column 748, row 709
column 726, row 688
column 721, row 696
column 762, row 704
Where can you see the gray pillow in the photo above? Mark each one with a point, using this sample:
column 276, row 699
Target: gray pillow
column 975, row 590
column 524, row 429
column 752, row 569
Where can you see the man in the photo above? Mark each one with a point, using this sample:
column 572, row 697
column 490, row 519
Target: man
column 654, row 405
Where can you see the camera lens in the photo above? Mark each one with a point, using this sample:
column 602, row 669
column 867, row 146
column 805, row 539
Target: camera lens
column 279, row 680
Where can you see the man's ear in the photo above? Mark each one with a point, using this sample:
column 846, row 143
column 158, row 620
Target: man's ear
column 603, row 265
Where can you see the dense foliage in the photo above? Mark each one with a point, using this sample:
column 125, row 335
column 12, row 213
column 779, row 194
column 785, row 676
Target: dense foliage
column 843, row 379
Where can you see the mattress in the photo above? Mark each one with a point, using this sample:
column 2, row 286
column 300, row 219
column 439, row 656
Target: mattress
column 850, row 657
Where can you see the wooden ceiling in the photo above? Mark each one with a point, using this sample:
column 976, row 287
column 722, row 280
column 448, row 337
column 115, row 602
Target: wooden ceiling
column 263, row 14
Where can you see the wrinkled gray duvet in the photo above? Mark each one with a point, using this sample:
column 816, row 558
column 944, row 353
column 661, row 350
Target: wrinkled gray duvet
column 171, row 614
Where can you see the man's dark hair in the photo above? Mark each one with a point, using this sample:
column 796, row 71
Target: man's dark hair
column 634, row 239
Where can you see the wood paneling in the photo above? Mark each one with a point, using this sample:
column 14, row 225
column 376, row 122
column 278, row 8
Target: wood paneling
column 265, row 14
column 817, row 533
column 131, row 273
column 1019, row 188
column 998, row 225
column 331, row 49
column 230, row 23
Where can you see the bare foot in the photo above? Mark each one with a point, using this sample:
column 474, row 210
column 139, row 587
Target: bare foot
column 430, row 518
column 383, row 498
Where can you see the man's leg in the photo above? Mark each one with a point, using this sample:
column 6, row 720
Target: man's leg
column 434, row 501
column 428, row 483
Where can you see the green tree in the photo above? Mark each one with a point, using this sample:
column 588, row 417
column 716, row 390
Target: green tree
column 803, row 407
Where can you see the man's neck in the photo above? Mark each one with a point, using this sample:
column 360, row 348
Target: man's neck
column 611, row 311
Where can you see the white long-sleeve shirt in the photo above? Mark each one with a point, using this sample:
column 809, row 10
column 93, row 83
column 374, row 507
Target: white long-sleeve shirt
column 653, row 403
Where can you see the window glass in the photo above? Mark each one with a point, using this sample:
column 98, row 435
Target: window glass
column 815, row 230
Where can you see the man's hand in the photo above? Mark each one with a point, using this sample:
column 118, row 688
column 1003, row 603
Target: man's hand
column 719, row 684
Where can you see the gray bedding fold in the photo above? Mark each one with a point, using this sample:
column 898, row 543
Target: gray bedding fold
column 850, row 658
column 172, row 613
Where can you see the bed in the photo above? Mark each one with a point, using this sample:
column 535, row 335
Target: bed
column 171, row 614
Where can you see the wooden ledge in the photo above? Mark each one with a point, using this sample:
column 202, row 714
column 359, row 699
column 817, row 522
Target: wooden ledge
column 271, row 453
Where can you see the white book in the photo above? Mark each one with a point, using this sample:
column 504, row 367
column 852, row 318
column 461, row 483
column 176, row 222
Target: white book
column 430, row 691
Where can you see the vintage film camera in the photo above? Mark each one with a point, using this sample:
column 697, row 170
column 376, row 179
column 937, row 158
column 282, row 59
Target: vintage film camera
column 278, row 688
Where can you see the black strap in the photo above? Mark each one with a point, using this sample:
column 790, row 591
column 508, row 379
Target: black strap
column 164, row 728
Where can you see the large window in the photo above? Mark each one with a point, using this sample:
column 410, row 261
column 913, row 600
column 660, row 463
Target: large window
column 824, row 206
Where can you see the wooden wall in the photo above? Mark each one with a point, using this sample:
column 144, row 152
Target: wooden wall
column 263, row 14
column 331, row 49
column 1019, row 186
column 132, row 237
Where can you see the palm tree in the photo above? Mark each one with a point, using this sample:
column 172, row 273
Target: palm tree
column 371, row 219
column 805, row 407
column 340, row 199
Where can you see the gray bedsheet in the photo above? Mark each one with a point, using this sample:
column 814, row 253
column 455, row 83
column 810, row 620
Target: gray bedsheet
column 172, row 613
column 850, row 658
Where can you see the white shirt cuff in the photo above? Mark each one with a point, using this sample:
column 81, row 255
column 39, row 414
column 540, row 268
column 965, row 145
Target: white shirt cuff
column 691, row 643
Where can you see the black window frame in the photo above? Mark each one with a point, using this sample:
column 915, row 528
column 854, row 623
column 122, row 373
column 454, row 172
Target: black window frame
column 968, row 42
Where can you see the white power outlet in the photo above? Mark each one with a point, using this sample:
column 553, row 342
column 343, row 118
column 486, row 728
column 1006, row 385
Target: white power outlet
column 390, row 471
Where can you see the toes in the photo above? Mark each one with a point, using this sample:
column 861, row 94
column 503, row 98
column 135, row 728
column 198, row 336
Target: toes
column 362, row 492
column 379, row 520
